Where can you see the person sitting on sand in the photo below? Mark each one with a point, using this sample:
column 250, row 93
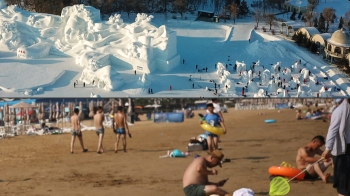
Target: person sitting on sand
column 213, row 119
column 120, row 121
column 195, row 180
column 306, row 157
column 308, row 114
column 298, row 116
column 76, row 131
column 100, row 131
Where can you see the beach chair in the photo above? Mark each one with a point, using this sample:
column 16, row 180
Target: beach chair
column 2, row 132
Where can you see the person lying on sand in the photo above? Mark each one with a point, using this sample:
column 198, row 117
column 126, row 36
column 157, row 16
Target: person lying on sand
column 195, row 180
column 306, row 157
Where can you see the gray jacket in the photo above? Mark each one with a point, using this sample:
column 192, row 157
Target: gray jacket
column 340, row 122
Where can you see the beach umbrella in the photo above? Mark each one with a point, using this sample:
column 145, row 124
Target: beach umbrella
column 7, row 112
column 50, row 112
column 91, row 108
column 80, row 110
column 113, row 106
column 57, row 111
column 43, row 112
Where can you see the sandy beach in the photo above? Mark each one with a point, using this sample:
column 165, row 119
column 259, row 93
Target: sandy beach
column 42, row 165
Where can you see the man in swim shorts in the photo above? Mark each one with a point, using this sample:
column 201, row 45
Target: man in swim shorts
column 306, row 157
column 195, row 180
column 119, row 130
column 213, row 119
column 76, row 131
column 100, row 131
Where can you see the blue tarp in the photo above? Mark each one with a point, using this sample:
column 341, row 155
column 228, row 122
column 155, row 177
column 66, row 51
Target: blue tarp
column 169, row 117
column 29, row 101
column 281, row 105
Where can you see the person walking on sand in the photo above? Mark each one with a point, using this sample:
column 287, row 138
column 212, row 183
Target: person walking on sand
column 76, row 131
column 100, row 131
column 195, row 179
column 217, row 110
column 121, row 126
column 338, row 145
column 213, row 119
column 306, row 157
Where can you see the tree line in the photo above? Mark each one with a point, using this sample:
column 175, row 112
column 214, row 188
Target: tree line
column 108, row 7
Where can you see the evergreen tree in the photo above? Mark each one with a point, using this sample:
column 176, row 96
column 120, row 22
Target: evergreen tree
column 292, row 17
column 313, row 47
column 315, row 23
column 243, row 8
column 341, row 23
column 299, row 16
column 321, row 23
column 238, row 2
column 333, row 18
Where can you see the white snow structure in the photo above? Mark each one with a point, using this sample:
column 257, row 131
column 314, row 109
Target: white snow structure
column 138, row 46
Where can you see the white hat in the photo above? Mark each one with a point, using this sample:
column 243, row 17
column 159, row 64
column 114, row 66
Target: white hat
column 338, row 100
column 244, row 192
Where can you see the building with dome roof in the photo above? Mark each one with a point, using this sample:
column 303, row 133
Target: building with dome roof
column 338, row 46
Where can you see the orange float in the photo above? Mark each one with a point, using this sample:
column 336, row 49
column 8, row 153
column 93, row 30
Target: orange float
column 288, row 172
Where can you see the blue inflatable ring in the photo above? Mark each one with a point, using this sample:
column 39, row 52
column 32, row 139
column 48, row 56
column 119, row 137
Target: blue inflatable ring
column 270, row 121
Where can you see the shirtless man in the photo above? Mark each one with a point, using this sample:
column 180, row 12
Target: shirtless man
column 76, row 131
column 195, row 180
column 298, row 115
column 100, row 131
column 119, row 130
column 306, row 157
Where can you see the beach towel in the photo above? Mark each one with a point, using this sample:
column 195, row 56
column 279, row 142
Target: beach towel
column 244, row 192
column 177, row 153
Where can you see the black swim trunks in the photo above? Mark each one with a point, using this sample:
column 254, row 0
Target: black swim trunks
column 342, row 172
column 195, row 190
column 309, row 176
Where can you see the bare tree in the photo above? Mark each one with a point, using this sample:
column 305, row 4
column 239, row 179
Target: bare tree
column 328, row 16
column 312, row 4
column 234, row 11
column 346, row 19
column 258, row 15
column 180, row 6
column 309, row 17
column 270, row 20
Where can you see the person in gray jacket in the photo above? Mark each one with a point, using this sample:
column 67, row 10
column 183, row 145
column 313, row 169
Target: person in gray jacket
column 338, row 144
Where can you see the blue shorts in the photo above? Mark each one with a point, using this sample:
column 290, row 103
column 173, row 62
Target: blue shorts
column 210, row 134
column 120, row 131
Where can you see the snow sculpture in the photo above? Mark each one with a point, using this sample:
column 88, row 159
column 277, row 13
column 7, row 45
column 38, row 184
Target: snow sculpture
column 241, row 66
column 106, row 78
column 252, row 86
column 260, row 93
column 272, row 86
column 266, row 75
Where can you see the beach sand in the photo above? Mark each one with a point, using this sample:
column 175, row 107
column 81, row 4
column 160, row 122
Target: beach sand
column 43, row 165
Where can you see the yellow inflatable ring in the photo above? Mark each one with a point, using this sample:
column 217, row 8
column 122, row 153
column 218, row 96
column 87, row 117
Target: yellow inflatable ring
column 214, row 130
